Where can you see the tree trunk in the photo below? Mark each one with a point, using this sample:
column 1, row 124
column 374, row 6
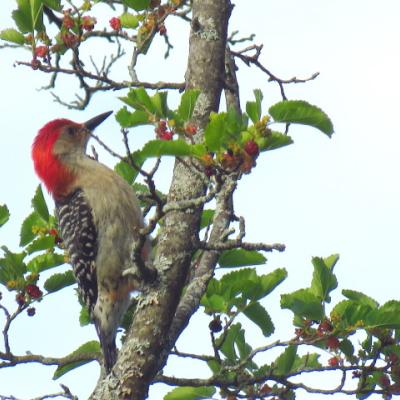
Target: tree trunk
column 141, row 355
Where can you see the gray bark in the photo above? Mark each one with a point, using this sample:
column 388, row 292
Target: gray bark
column 148, row 340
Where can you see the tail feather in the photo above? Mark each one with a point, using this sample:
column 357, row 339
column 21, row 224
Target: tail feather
column 108, row 348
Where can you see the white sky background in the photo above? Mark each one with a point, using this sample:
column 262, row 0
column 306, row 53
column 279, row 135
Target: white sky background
column 318, row 196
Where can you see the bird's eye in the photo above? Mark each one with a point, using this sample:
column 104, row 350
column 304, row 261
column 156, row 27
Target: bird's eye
column 71, row 131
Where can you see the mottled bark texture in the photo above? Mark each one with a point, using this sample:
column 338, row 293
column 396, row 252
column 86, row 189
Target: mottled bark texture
column 143, row 352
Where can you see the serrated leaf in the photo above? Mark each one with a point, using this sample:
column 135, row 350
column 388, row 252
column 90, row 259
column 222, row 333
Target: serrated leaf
column 39, row 204
column 12, row 265
column 29, row 15
column 179, row 148
column 90, row 349
column 187, row 104
column 137, row 5
column 272, row 280
column 273, row 141
column 284, row 363
column 253, row 108
column 45, row 261
column 139, row 100
column 360, row 298
column 221, row 131
column 239, row 258
column 159, row 101
column 4, row 214
column 129, row 120
column 54, row 4
column 59, row 281
column 41, row 243
column 214, row 304
column 13, row 36
column 304, row 304
column 190, row 393
column 29, row 226
column 129, row 20
column 259, row 315
column 324, row 280
column 206, row 218
column 301, row 112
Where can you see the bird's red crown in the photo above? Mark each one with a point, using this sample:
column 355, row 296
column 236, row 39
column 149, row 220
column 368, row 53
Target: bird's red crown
column 56, row 176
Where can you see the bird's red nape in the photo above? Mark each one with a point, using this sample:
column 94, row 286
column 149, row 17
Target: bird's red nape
column 50, row 170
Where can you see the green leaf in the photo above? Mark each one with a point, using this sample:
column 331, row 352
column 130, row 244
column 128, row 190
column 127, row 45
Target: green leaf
column 89, row 349
column 29, row 15
column 259, row 315
column 12, row 35
column 306, row 362
column 214, row 304
column 139, row 100
column 324, row 280
column 273, row 141
column 137, row 5
column 45, row 261
column 269, row 282
column 253, row 108
column 129, row 20
column 29, row 227
column 59, row 281
column 12, row 265
column 304, row 304
column 159, row 101
column 186, row 107
column 206, row 218
column 179, row 148
column 54, row 4
column 285, row 362
column 41, row 243
column 228, row 346
column 129, row 173
column 39, row 204
column 240, row 258
column 4, row 214
column 360, row 298
column 128, row 120
column 347, row 347
column 84, row 316
column 190, row 393
column 222, row 129
column 301, row 112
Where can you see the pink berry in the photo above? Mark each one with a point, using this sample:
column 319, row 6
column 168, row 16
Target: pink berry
column 251, row 148
column 115, row 23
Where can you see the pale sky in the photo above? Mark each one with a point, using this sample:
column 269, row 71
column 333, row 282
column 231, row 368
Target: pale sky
column 319, row 196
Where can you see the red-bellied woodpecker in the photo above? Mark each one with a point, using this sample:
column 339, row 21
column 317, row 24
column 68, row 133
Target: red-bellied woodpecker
column 99, row 219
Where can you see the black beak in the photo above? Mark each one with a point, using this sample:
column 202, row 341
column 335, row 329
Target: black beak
column 96, row 121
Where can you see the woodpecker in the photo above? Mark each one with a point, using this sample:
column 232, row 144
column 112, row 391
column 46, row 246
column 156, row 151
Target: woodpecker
column 99, row 220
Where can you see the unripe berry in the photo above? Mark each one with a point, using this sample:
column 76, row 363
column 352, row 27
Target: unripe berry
column 41, row 51
column 167, row 135
column 35, row 64
column 88, row 23
column 70, row 40
column 333, row 362
column 115, row 23
column 191, row 129
column 251, row 148
column 68, row 21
